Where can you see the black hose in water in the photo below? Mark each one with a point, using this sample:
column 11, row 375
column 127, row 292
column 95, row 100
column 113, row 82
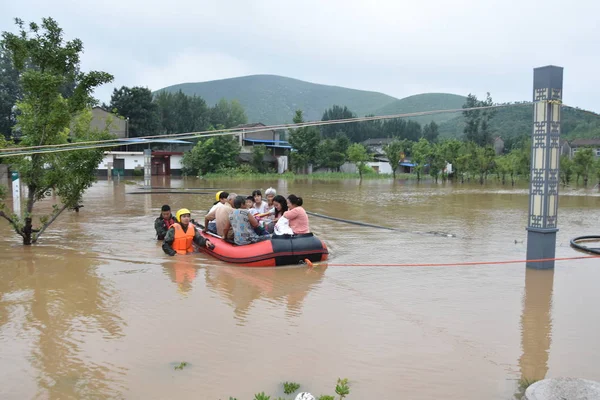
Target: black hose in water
column 581, row 247
column 347, row 221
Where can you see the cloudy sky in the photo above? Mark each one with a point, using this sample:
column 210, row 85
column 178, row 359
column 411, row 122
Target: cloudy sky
column 393, row 46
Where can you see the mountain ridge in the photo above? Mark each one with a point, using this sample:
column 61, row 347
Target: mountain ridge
column 273, row 99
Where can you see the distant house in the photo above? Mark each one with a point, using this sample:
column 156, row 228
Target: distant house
column 498, row 145
column 118, row 127
column 565, row 148
column 256, row 134
column 375, row 146
column 579, row 143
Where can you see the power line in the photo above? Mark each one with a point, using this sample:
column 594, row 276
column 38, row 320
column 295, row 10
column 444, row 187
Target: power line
column 22, row 151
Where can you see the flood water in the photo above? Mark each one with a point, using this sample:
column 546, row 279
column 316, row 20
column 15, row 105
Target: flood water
column 97, row 310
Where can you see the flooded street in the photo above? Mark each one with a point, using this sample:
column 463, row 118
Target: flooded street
column 97, row 310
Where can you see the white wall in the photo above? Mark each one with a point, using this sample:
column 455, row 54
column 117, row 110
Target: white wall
column 176, row 162
column 133, row 159
column 384, row 167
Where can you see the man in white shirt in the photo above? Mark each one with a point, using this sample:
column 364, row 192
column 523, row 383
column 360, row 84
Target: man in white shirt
column 220, row 215
column 221, row 200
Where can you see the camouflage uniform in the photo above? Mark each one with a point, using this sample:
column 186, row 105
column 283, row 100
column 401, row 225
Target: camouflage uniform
column 161, row 227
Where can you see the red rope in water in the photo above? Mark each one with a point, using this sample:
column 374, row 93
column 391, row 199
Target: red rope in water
column 456, row 264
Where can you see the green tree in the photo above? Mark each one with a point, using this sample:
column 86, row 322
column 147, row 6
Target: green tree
column 179, row 113
column 136, row 104
column 341, row 142
column 228, row 114
column 437, row 162
column 482, row 161
column 258, row 156
column 305, row 142
column 394, row 152
column 421, row 152
column 515, row 158
column 503, row 166
column 46, row 64
column 211, row 155
column 477, row 127
column 336, row 113
column 328, row 155
column 451, row 149
column 597, row 170
column 357, row 154
column 10, row 93
column 431, row 132
column 583, row 164
column 566, row 169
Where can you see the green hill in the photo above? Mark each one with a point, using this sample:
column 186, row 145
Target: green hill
column 272, row 99
column 516, row 122
column 425, row 102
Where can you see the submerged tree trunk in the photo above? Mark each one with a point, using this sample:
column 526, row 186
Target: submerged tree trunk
column 28, row 228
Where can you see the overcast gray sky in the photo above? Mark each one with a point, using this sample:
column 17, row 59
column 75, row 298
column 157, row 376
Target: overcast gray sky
column 396, row 47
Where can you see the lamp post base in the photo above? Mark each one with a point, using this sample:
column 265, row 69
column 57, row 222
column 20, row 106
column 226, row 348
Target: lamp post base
column 541, row 244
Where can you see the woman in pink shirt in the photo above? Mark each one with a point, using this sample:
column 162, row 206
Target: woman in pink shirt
column 296, row 215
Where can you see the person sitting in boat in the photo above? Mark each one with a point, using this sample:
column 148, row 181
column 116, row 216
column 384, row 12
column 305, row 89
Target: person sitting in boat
column 274, row 214
column 243, row 224
column 221, row 200
column 270, row 194
column 182, row 234
column 220, row 216
column 249, row 205
column 164, row 222
column 259, row 205
column 296, row 215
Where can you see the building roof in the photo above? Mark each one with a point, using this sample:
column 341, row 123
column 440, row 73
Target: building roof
column 585, row 142
column 378, row 141
column 143, row 141
column 280, row 144
column 252, row 125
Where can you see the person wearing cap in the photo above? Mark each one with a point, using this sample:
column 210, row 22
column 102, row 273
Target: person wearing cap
column 182, row 234
column 164, row 222
column 219, row 216
column 221, row 198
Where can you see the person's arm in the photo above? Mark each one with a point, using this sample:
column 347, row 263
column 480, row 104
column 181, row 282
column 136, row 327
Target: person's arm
column 160, row 228
column 272, row 211
column 252, row 220
column 201, row 241
column 226, row 229
column 167, row 245
column 210, row 217
column 291, row 214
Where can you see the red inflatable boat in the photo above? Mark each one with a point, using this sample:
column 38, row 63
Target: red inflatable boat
column 277, row 251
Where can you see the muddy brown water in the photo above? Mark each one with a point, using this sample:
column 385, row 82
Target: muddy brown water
column 96, row 310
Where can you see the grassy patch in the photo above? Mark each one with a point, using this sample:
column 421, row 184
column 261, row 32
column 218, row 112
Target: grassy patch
column 325, row 176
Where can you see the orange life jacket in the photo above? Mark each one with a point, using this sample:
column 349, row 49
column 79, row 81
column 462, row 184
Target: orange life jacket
column 183, row 240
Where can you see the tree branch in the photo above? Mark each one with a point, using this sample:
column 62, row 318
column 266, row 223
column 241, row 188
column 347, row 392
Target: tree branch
column 14, row 225
column 51, row 220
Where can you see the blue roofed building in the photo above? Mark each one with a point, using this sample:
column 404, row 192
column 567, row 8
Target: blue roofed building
column 256, row 134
